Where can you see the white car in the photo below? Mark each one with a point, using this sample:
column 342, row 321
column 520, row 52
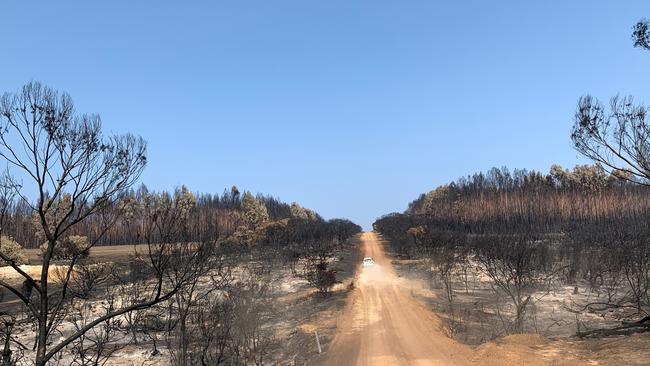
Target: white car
column 367, row 261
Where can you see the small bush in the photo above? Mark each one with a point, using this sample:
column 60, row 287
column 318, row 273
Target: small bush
column 321, row 277
column 12, row 250
column 71, row 246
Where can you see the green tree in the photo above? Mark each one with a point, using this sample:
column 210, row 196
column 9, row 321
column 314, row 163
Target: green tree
column 69, row 247
column 255, row 213
column 11, row 251
column 298, row 212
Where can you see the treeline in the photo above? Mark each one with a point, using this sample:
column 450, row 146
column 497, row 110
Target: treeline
column 527, row 231
column 217, row 296
column 212, row 217
column 201, row 288
column 525, row 200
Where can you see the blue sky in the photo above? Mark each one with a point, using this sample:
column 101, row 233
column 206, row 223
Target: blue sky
column 352, row 108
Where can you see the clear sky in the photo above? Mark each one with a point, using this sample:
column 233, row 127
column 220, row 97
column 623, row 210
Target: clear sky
column 352, row 108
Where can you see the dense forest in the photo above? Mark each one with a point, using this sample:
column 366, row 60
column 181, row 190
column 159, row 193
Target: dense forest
column 526, row 230
column 212, row 216
column 532, row 200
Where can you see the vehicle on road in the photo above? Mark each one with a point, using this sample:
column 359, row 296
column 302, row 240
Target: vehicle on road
column 367, row 261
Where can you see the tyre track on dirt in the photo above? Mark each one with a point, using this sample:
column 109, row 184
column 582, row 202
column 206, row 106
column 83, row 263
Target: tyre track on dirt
column 384, row 325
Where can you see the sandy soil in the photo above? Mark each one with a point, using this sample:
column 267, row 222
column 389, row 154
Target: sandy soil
column 298, row 310
column 383, row 322
column 384, row 325
column 110, row 253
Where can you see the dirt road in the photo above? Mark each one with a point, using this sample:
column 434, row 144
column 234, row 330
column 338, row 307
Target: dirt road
column 384, row 325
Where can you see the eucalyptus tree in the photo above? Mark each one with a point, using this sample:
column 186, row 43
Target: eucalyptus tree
column 72, row 172
column 618, row 137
